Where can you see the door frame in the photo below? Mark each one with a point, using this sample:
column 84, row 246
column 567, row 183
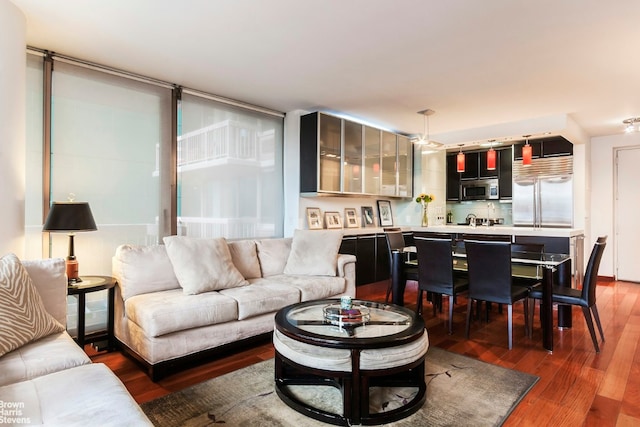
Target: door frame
column 616, row 225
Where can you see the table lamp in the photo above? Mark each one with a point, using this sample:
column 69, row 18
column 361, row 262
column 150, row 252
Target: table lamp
column 70, row 217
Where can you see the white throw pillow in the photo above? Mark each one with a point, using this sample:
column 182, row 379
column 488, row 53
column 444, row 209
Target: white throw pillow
column 23, row 317
column 202, row 265
column 314, row 252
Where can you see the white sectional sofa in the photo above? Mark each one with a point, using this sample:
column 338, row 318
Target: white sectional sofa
column 166, row 316
column 51, row 381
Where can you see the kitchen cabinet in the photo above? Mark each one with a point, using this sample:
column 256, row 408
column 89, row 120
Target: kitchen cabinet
column 557, row 146
column 505, row 177
column 453, row 179
column 554, row 146
column 483, row 172
column 338, row 156
column 471, row 165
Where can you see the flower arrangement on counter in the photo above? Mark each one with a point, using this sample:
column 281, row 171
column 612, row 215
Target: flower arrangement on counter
column 425, row 198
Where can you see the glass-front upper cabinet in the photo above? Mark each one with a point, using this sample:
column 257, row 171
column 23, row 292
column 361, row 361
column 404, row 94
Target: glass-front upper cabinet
column 352, row 155
column 405, row 166
column 389, row 164
column 371, row 160
column 330, row 150
column 338, row 156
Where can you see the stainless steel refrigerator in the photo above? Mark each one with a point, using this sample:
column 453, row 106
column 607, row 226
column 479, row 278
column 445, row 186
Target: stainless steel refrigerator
column 543, row 194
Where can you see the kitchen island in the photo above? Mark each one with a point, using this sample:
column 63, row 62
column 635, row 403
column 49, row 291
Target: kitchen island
column 503, row 230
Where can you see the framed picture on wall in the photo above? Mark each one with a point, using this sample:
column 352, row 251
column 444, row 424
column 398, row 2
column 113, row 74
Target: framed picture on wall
column 350, row 218
column 384, row 212
column 332, row 219
column 314, row 220
column 367, row 216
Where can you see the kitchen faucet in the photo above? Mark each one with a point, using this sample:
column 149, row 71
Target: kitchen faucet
column 471, row 219
column 490, row 207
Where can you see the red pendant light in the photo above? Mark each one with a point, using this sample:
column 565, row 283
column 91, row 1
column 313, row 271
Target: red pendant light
column 526, row 153
column 491, row 159
column 461, row 160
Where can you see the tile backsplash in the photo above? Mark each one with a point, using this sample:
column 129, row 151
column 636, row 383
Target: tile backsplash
column 481, row 209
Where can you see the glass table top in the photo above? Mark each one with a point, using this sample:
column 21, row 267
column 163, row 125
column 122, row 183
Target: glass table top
column 366, row 319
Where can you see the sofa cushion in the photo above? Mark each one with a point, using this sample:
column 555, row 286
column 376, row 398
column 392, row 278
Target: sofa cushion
column 202, row 265
column 49, row 277
column 314, row 252
column 273, row 254
column 23, row 317
column 245, row 257
column 143, row 269
column 313, row 288
column 262, row 296
column 80, row 396
column 52, row 353
column 161, row 313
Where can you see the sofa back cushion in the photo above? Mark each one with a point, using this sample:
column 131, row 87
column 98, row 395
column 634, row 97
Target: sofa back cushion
column 245, row 257
column 273, row 254
column 143, row 269
column 49, row 277
column 23, row 317
column 202, row 265
column 314, row 252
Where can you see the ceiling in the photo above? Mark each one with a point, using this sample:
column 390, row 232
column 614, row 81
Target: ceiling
column 489, row 69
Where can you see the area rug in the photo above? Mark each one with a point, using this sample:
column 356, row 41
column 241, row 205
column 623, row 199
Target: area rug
column 460, row 392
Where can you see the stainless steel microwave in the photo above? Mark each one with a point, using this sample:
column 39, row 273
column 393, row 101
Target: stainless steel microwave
column 481, row 189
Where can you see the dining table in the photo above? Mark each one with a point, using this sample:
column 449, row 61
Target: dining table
column 550, row 268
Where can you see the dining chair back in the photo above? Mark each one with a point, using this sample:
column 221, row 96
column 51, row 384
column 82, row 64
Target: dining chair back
column 585, row 297
column 395, row 242
column 489, row 264
column 435, row 271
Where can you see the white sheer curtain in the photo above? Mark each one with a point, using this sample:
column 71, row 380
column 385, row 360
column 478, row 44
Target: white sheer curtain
column 229, row 171
column 108, row 136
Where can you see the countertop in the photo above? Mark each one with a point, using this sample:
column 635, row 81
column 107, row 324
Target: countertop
column 504, row 230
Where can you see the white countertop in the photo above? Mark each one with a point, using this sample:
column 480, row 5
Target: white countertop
column 504, row 230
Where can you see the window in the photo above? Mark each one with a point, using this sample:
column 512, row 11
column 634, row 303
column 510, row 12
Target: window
column 110, row 146
column 229, row 171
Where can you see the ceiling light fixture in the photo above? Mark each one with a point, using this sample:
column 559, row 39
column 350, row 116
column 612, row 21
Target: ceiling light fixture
column 424, row 139
column 526, row 152
column 631, row 124
column 460, row 159
column 491, row 159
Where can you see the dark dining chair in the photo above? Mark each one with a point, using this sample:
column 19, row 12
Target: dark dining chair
column 585, row 297
column 395, row 242
column 490, row 280
column 435, row 272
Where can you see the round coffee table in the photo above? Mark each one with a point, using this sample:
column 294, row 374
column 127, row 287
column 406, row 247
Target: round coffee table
column 372, row 345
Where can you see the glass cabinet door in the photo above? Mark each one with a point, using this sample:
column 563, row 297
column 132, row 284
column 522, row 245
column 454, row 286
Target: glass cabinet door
column 371, row 160
column 330, row 160
column 404, row 166
column 352, row 155
column 389, row 164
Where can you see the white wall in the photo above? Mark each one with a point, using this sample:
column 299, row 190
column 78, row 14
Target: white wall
column 12, row 128
column 602, row 193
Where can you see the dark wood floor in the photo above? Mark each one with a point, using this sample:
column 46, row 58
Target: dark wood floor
column 577, row 386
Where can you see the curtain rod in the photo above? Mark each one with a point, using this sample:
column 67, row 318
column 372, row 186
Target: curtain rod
column 146, row 79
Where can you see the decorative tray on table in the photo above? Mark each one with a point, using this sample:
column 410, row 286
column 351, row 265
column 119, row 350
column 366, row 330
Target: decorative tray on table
column 354, row 316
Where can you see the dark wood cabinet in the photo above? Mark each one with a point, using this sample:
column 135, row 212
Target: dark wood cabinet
column 558, row 146
column 471, row 165
column 505, row 178
column 483, row 171
column 553, row 146
column 453, row 179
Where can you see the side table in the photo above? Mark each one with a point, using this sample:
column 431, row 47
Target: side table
column 94, row 284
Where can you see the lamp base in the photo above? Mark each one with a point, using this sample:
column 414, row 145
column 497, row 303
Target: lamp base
column 72, row 270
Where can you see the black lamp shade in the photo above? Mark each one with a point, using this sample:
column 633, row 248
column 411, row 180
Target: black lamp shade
column 70, row 217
